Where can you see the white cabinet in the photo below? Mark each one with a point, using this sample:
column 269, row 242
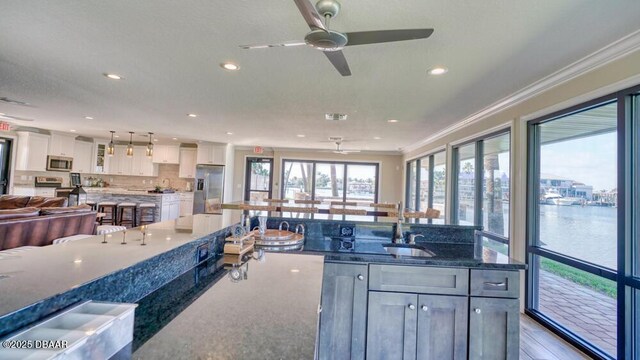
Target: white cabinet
column 142, row 164
column 32, row 151
column 186, row 203
column 99, row 157
column 62, row 145
column 120, row 163
column 24, row 191
column 211, row 154
column 170, row 207
column 82, row 156
column 46, row 192
column 166, row 154
column 187, row 163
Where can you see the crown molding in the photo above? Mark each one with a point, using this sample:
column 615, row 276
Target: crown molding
column 612, row 52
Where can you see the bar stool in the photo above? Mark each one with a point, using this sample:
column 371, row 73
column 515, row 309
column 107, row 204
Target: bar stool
column 109, row 209
column 147, row 213
column 93, row 205
column 124, row 220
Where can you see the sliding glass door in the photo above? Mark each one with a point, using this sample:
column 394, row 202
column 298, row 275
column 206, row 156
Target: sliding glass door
column 582, row 225
column 329, row 181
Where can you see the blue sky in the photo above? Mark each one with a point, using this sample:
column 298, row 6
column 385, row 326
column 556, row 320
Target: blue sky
column 591, row 160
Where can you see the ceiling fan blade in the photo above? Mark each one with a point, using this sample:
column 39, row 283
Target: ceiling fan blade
column 382, row 36
column 11, row 117
column 310, row 14
column 265, row 46
column 339, row 61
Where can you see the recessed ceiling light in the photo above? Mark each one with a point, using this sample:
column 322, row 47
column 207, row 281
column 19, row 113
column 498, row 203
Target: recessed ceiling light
column 192, row 115
column 113, row 76
column 155, row 139
column 230, row 66
column 377, row 138
column 300, row 135
column 77, row 261
column 174, row 138
column 72, row 130
column 229, row 133
column 392, row 121
column 88, row 117
column 438, row 70
column 295, row 270
column 116, row 136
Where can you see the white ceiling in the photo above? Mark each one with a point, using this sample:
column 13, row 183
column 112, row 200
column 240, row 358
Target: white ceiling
column 52, row 55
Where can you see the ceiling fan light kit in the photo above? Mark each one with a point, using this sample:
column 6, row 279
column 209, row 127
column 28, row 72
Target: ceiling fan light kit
column 332, row 42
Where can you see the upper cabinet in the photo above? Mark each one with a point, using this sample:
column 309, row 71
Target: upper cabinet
column 62, row 145
column 83, row 153
column 166, row 154
column 142, row 164
column 100, row 159
column 32, row 151
column 187, row 163
column 211, row 154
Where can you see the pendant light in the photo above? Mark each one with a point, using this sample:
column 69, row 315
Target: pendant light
column 150, row 146
column 130, row 146
column 111, row 149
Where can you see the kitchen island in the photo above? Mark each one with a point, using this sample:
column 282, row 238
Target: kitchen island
column 273, row 311
column 167, row 204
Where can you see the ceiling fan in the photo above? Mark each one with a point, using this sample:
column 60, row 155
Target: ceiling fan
column 340, row 151
column 332, row 42
column 11, row 117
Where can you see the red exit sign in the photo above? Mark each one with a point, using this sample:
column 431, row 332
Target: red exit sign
column 258, row 150
column 4, row 126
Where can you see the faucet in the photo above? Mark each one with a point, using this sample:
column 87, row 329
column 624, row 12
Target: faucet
column 398, row 237
column 413, row 237
column 301, row 227
column 283, row 223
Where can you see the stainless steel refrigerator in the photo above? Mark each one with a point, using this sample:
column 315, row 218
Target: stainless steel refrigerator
column 209, row 187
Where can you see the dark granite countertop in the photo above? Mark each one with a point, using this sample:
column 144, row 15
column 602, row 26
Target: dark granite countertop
column 271, row 313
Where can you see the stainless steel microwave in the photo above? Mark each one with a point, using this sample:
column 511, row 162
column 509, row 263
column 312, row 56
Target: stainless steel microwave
column 59, row 163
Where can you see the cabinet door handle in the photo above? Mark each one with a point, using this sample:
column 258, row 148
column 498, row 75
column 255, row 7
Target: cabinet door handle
column 424, row 307
column 495, row 284
column 478, row 311
column 360, row 277
column 412, row 307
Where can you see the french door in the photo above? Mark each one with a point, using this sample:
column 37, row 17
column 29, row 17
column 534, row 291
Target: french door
column 258, row 179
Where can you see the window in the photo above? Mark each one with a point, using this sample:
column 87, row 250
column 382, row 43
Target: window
column 481, row 187
column 329, row 181
column 495, row 186
column 297, row 183
column 426, row 184
column 573, row 225
column 465, row 184
column 361, row 183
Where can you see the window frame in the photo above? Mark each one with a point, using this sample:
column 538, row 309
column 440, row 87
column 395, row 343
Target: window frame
column 431, row 185
column 479, row 181
column 330, row 162
column 628, row 187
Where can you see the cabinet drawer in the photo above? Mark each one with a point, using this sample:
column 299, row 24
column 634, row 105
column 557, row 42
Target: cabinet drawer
column 417, row 279
column 495, row 283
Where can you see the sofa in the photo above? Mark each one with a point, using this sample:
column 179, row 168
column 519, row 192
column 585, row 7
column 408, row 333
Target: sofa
column 38, row 221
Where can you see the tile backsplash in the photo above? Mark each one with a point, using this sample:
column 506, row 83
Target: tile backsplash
column 165, row 172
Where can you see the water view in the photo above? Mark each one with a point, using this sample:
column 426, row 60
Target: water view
column 583, row 232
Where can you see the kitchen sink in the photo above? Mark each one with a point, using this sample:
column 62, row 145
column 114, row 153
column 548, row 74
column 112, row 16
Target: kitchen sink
column 407, row 250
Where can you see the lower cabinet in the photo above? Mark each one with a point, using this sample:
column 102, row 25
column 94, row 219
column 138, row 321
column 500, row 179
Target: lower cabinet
column 494, row 326
column 411, row 326
column 343, row 319
column 418, row 312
